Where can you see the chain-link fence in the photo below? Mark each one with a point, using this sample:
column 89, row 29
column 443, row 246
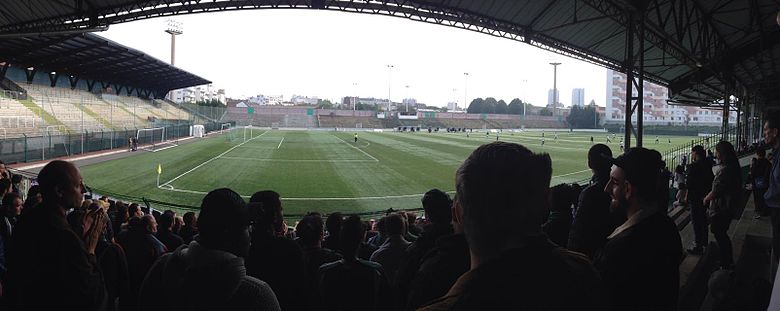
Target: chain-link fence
column 30, row 148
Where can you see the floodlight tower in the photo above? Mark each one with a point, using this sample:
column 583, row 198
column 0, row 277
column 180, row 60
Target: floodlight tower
column 555, row 86
column 174, row 29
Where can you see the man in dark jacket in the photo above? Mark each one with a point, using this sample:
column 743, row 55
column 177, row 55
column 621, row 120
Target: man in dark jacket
column 142, row 249
column 353, row 284
column 171, row 240
column 640, row 262
column 49, row 267
column 502, row 192
column 699, row 184
column 438, row 212
column 209, row 274
column 439, row 269
column 593, row 219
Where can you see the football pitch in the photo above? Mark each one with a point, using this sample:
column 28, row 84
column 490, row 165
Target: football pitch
column 326, row 171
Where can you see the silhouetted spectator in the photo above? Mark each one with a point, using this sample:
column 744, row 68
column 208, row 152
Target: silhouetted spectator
column 209, row 274
column 439, row 268
column 4, row 173
column 178, row 223
column 120, row 217
column 274, row 258
column 772, row 195
column 502, row 192
column 190, row 228
column 134, row 210
column 34, row 197
column 640, row 262
column 310, row 232
column 141, row 249
column 699, row 184
column 438, row 212
column 760, row 170
column 593, row 219
column 49, row 266
column 381, row 234
column 390, row 253
column 5, row 187
column 112, row 263
column 724, row 199
column 559, row 220
column 333, row 225
column 171, row 240
column 11, row 208
column 351, row 283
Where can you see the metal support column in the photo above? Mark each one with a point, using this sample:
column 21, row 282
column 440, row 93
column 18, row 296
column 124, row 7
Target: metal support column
column 639, row 110
column 629, row 66
column 725, row 114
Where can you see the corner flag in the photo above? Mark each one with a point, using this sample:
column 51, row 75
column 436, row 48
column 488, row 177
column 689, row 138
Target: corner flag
column 159, row 169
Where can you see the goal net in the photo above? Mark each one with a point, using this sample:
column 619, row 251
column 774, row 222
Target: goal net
column 275, row 125
column 153, row 139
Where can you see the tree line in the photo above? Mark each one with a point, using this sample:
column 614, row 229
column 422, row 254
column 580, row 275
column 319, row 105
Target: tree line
column 491, row 105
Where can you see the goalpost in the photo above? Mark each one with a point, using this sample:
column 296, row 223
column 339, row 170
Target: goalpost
column 153, row 139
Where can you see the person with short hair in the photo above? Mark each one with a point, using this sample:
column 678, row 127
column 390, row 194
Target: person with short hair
column 310, row 232
column 190, row 228
column 593, row 220
column 640, row 264
column 272, row 257
column 558, row 223
column 760, row 170
column 333, row 226
column 165, row 234
column 142, row 249
column 209, row 274
column 45, row 256
column 699, row 184
column 390, row 253
column 437, row 206
column 502, row 197
column 724, row 199
column 353, row 284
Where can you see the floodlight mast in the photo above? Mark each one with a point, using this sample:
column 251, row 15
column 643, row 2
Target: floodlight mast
column 174, row 29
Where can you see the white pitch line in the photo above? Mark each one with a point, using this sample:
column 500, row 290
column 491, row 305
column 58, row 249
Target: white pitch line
column 356, row 148
column 293, row 160
column 280, row 143
column 171, row 188
column 209, row 160
column 573, row 173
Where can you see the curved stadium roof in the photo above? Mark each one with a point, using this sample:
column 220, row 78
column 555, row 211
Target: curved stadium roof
column 89, row 56
column 699, row 48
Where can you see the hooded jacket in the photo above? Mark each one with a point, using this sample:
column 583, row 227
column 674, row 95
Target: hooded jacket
column 198, row 278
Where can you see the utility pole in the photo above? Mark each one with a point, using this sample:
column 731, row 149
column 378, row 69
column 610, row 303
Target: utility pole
column 465, row 88
column 389, row 74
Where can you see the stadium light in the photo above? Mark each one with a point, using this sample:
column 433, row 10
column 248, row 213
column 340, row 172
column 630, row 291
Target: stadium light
column 389, row 73
column 465, row 88
column 555, row 86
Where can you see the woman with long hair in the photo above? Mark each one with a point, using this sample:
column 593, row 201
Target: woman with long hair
column 724, row 198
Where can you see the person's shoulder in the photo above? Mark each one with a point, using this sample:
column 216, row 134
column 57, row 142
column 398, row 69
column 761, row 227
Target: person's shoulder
column 369, row 264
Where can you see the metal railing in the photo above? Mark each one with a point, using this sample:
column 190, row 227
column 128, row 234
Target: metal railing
column 745, row 136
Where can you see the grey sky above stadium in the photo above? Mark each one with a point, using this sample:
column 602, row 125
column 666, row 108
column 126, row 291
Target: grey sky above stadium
column 334, row 54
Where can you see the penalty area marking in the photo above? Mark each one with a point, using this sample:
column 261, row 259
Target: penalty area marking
column 167, row 183
column 356, row 148
column 280, row 143
column 168, row 187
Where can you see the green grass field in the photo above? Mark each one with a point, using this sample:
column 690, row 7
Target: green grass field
column 326, row 171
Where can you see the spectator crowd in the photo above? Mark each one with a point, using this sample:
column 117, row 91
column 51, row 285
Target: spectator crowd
column 506, row 241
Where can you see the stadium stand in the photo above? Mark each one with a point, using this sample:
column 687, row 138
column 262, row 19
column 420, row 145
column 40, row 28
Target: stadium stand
column 67, row 106
column 17, row 120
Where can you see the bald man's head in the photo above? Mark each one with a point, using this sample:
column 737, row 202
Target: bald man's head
column 61, row 185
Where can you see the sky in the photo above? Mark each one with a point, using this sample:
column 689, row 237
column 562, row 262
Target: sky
column 331, row 54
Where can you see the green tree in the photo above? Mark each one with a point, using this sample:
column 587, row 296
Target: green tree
column 501, row 107
column 324, row 104
column 490, row 105
column 476, row 105
column 515, row 106
column 545, row 112
column 582, row 117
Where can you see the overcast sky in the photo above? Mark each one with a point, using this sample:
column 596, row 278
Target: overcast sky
column 325, row 53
